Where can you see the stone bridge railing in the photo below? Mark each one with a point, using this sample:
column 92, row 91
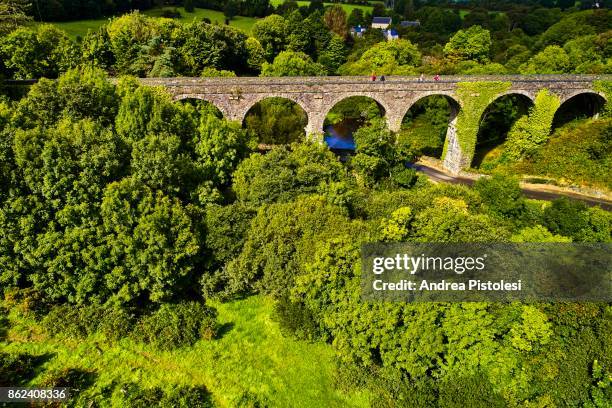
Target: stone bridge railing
column 318, row 95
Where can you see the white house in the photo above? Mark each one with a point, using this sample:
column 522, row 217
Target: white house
column 381, row 23
column 391, row 34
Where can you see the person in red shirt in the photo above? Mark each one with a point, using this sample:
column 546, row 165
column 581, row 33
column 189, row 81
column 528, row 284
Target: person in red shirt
column 373, row 77
column 437, row 77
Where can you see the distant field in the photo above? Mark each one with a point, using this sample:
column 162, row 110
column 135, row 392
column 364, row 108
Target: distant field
column 347, row 7
column 82, row 27
column 244, row 23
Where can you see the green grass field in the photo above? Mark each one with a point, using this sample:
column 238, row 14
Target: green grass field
column 82, row 27
column 251, row 356
column 347, row 7
column 244, row 23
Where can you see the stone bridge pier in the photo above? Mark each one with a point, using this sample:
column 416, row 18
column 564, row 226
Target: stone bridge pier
column 234, row 97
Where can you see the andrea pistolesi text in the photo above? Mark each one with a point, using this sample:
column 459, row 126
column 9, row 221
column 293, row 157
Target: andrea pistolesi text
column 404, row 263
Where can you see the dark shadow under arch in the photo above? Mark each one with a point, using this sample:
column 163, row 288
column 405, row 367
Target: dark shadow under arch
column 346, row 117
column 426, row 123
column 276, row 120
column 581, row 106
column 495, row 123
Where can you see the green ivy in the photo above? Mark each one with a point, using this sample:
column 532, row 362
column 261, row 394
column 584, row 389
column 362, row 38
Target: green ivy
column 475, row 97
column 605, row 87
column 533, row 130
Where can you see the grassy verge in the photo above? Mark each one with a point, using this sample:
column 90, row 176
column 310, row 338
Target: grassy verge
column 251, row 357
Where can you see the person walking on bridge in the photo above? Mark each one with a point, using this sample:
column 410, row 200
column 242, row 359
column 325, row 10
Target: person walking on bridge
column 373, row 76
column 382, row 79
column 437, row 77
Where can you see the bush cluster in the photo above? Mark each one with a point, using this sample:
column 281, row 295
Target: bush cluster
column 177, row 325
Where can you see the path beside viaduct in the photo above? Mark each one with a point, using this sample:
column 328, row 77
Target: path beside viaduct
column 318, row 95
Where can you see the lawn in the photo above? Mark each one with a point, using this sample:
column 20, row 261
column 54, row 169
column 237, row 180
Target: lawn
column 251, row 356
column 82, row 27
column 347, row 7
column 244, row 23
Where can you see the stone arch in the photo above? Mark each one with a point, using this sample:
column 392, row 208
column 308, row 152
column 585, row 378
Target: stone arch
column 344, row 137
column 293, row 97
column 454, row 109
column 223, row 108
column 330, row 103
column 450, row 97
column 272, row 135
column 590, row 103
column 500, row 123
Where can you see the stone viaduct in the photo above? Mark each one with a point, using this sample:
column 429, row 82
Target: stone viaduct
column 318, row 95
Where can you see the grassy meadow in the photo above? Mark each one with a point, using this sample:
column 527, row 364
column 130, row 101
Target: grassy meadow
column 250, row 357
column 80, row 28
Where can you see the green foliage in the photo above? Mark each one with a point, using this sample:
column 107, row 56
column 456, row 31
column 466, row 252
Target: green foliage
column 531, row 131
column 290, row 63
column 208, row 45
column 386, row 58
column 473, row 44
column 552, row 60
column 474, row 97
column 605, row 87
column 573, row 219
column 226, row 231
column 501, row 195
column 83, row 321
column 579, row 152
column 296, row 320
column 279, row 242
column 276, row 121
column 538, row 234
column 376, row 155
column 334, row 55
column 177, row 325
column 448, row 220
column 424, row 127
column 575, row 25
column 46, row 52
column 152, row 243
column 271, row 32
column 285, row 173
column 13, row 14
column 256, row 54
column 179, row 397
column 79, row 93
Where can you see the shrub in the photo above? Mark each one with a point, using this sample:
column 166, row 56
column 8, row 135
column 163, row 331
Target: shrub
column 501, row 195
column 26, row 301
column 83, row 321
column 180, row 397
column 566, row 217
column 404, row 177
column 296, row 319
column 177, row 325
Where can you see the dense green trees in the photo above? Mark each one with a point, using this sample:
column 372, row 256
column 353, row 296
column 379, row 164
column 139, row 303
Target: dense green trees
column 488, row 43
column 121, row 208
column 289, row 63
